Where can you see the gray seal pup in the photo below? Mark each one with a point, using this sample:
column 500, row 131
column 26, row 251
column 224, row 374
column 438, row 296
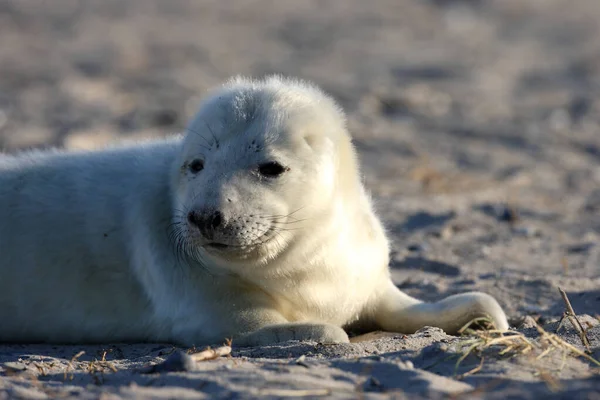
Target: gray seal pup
column 254, row 225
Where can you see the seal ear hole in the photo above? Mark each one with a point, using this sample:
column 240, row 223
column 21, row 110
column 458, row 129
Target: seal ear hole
column 271, row 169
column 196, row 166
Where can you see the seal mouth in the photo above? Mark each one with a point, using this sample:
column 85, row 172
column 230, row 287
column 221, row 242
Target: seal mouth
column 233, row 248
column 220, row 246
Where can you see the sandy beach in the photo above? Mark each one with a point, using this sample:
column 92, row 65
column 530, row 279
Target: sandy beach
column 478, row 128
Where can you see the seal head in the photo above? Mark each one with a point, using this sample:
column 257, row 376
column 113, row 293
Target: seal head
column 257, row 168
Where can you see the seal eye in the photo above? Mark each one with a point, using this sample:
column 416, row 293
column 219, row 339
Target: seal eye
column 196, row 166
column 271, row 169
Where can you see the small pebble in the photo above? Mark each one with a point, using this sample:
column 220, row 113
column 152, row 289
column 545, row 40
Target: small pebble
column 501, row 212
column 302, row 361
column 177, row 362
column 526, row 231
column 447, row 232
column 15, row 366
column 417, row 247
column 372, row 385
column 580, row 247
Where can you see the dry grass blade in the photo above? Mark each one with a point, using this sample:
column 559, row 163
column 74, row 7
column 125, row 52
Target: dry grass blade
column 76, row 356
column 109, row 365
column 553, row 384
column 575, row 321
column 554, row 342
column 211, row 354
column 515, row 343
column 485, row 323
column 70, row 365
column 509, row 341
column 472, row 371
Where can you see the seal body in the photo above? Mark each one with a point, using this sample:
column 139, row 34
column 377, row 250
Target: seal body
column 253, row 225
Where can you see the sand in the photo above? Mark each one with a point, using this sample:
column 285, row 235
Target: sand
column 478, row 126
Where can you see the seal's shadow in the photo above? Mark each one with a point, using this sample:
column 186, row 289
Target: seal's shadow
column 425, row 265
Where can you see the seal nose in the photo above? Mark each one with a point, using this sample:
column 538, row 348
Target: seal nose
column 205, row 222
column 215, row 219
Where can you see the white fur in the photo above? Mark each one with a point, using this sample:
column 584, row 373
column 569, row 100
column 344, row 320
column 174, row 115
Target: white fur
column 97, row 246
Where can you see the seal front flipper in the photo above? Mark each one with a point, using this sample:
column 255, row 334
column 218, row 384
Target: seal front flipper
column 396, row 311
column 303, row 331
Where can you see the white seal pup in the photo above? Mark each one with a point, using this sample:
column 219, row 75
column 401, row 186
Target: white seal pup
column 255, row 225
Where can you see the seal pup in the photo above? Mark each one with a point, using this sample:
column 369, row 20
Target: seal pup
column 254, row 225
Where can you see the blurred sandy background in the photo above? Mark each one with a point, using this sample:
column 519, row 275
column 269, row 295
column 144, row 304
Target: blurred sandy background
column 477, row 121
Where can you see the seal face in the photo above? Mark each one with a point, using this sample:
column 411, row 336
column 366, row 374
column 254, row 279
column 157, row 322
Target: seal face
column 254, row 225
column 255, row 163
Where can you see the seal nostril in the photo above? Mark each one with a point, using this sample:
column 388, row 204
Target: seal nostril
column 192, row 218
column 216, row 219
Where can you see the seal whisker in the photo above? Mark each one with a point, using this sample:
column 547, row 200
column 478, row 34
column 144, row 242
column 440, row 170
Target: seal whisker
column 289, row 222
column 212, row 133
column 288, row 229
column 197, row 133
column 281, row 216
